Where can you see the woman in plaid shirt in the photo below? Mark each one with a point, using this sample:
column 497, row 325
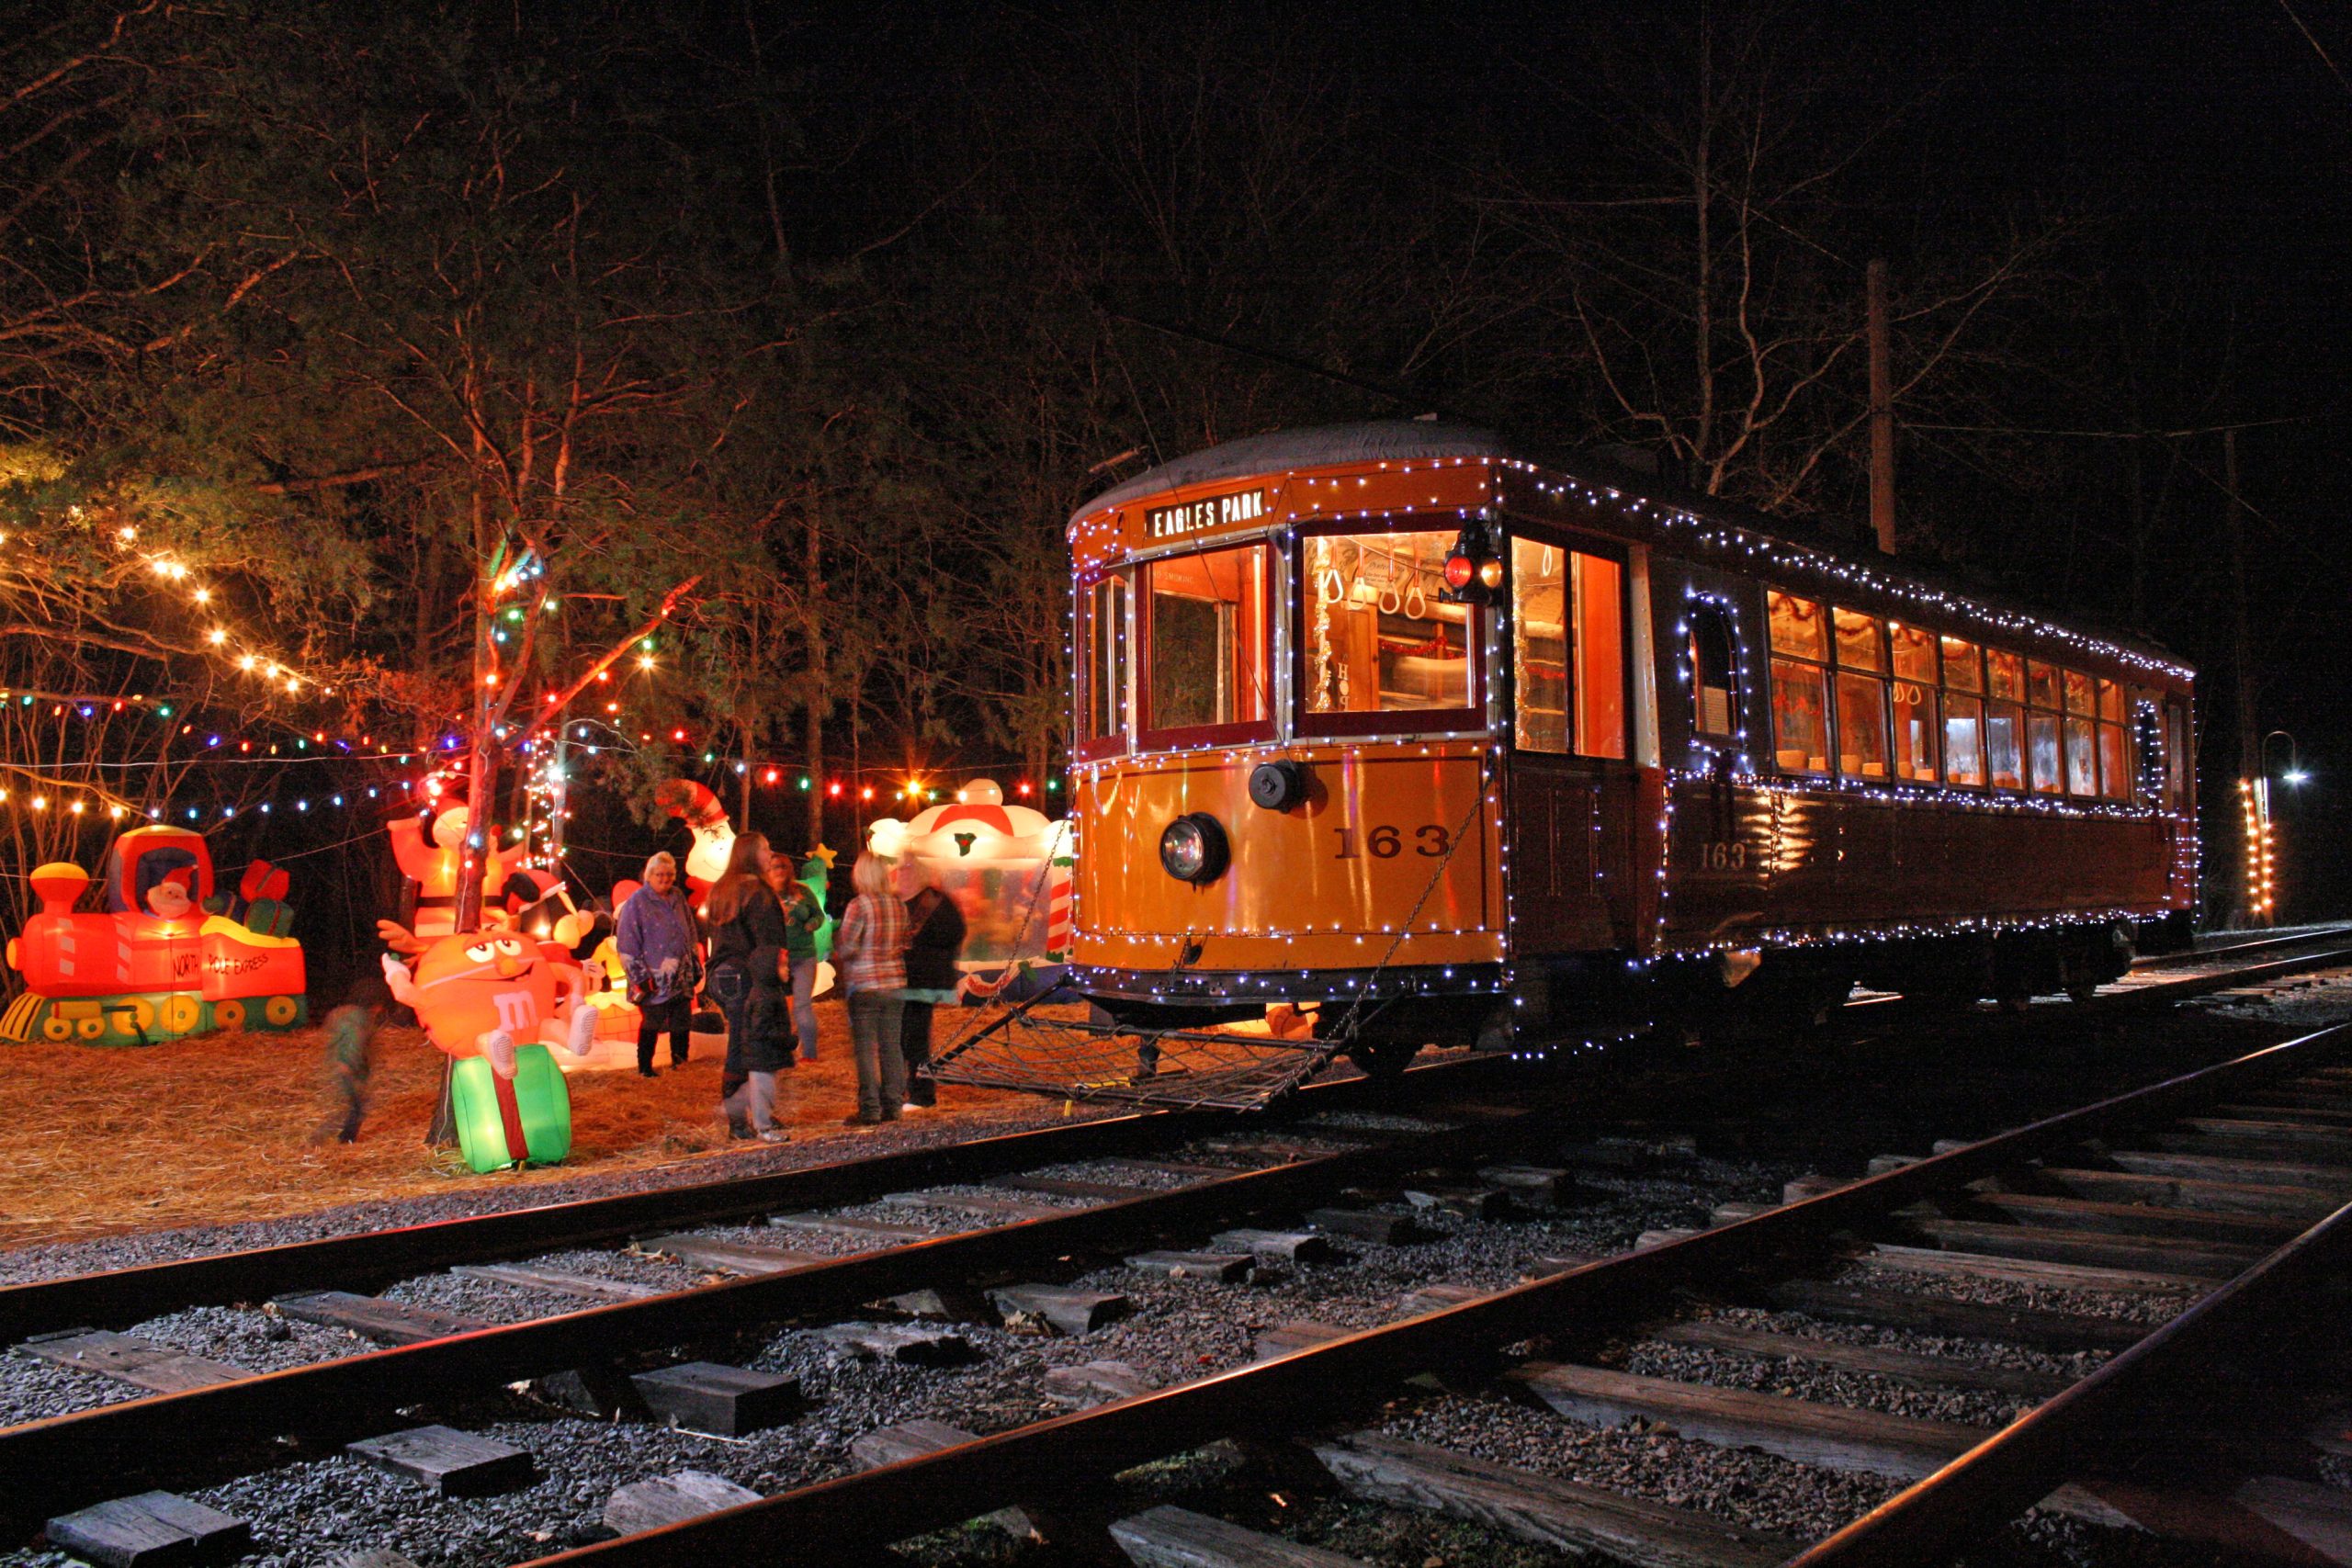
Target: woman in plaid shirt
column 869, row 953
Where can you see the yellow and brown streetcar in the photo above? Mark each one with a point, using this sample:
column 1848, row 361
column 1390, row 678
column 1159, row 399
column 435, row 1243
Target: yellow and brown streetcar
column 1393, row 735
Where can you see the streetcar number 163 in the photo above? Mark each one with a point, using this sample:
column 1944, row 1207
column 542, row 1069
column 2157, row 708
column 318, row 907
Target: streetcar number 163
column 1387, row 842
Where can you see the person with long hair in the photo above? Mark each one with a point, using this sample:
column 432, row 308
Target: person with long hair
column 869, row 954
column 656, row 938
column 934, row 942
column 746, row 975
column 803, row 918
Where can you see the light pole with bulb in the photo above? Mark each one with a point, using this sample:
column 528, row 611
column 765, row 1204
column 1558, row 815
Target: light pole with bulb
column 2261, row 833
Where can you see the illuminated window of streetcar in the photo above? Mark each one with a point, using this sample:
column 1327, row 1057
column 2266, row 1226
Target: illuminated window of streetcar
column 2078, row 693
column 2004, row 745
column 1540, row 631
column 2082, row 759
column 2045, row 750
column 1963, row 670
column 2043, row 753
column 1103, row 676
column 1861, row 726
column 1378, row 637
column 1715, row 675
column 1598, row 589
column 1964, row 739
column 2114, row 762
column 1207, row 641
column 1861, row 698
column 1917, row 737
column 2041, row 685
column 1567, row 650
column 2177, row 754
column 1800, row 717
column 1858, row 640
column 2004, row 676
column 1798, row 628
column 2110, row 701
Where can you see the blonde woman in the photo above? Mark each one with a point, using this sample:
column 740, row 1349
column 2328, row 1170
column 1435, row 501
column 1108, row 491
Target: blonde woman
column 869, row 954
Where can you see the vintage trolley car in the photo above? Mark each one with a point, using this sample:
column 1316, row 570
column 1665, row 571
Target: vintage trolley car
column 1638, row 755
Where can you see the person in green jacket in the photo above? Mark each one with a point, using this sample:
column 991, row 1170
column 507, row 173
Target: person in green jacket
column 804, row 923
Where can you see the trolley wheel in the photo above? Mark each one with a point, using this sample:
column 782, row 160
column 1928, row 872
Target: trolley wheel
column 181, row 1014
column 1383, row 1058
column 56, row 1028
column 91, row 1028
column 141, row 1013
column 280, row 1011
column 229, row 1015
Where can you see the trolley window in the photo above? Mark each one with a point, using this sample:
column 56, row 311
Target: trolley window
column 1381, row 650
column 1567, row 650
column 1205, row 644
column 1800, row 633
column 1800, row 717
column 1918, row 738
column 1102, row 676
column 2045, row 751
column 1714, row 674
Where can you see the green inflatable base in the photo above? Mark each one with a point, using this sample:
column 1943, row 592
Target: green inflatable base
column 542, row 1104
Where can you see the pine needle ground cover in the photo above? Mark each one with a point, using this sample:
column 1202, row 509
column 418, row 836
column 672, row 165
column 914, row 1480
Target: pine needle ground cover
column 219, row 1128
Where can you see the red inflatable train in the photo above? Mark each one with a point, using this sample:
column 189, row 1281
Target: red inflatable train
column 157, row 962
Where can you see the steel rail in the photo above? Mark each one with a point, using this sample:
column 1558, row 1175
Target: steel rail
column 1059, row 1458
column 2330, row 932
column 119, row 1298
column 2058, row 1441
column 64, row 1461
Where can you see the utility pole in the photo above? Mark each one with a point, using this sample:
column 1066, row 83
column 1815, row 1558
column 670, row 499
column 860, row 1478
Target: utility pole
column 2253, row 899
column 1881, row 411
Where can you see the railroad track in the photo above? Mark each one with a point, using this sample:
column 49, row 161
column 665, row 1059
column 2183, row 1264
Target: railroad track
column 206, row 1420
column 2229, row 1185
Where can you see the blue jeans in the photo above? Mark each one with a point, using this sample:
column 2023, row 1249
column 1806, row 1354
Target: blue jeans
column 804, row 1006
column 881, row 1068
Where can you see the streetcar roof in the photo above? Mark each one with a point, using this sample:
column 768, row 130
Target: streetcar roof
column 1413, row 440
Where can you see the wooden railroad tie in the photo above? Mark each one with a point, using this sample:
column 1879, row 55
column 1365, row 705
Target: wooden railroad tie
column 142, row 1363
column 1067, row 1187
column 1287, row 1246
column 1094, row 1383
column 1898, row 1366
column 1170, row 1537
column 374, row 1317
column 704, row 1397
column 872, row 1233
column 1361, row 1224
column 912, row 1439
column 447, row 1462
column 733, row 1256
column 1289, row 1338
column 1227, row 1267
column 904, row 1342
column 987, row 1206
column 644, row 1505
column 150, row 1530
column 2038, row 1328
column 1068, row 1310
column 558, row 1281
column 1561, row 1515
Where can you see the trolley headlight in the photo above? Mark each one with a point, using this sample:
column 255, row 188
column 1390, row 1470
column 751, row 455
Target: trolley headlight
column 1194, row 848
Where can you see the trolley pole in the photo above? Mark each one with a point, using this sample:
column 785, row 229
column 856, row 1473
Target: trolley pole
column 1882, row 410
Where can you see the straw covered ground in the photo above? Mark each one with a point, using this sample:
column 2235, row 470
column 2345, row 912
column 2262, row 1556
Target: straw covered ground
column 218, row 1128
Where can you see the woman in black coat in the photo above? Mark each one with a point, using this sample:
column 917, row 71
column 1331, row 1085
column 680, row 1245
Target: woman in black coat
column 746, row 975
column 938, row 941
